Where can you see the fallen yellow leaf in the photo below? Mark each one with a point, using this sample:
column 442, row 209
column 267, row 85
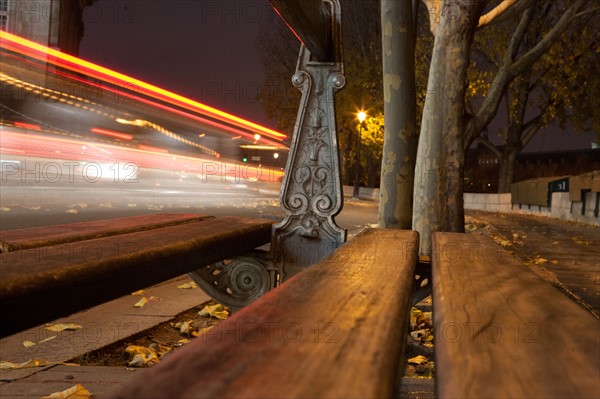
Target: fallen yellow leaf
column 202, row 330
column 540, row 260
column 75, row 392
column 141, row 303
column 141, row 360
column 188, row 286
column 47, row 339
column 26, row 365
column 140, row 292
column 64, row 327
column 142, row 356
column 28, row 344
column 219, row 311
column 135, row 349
column 418, row 359
column 185, row 327
column 7, row 365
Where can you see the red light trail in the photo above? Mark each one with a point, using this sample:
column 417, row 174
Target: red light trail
column 43, row 53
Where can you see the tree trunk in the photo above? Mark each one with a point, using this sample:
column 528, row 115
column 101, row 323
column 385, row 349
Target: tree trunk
column 507, row 168
column 515, row 129
column 400, row 135
column 438, row 198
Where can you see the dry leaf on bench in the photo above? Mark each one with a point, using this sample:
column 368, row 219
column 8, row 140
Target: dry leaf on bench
column 75, row 392
column 141, row 303
column 64, row 327
column 28, row 344
column 140, row 292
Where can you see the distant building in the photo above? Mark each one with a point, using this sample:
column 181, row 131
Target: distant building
column 54, row 23
column 482, row 167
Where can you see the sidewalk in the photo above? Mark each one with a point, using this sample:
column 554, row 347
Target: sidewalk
column 101, row 325
column 567, row 254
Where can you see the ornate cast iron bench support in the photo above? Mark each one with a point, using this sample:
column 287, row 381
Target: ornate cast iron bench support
column 311, row 192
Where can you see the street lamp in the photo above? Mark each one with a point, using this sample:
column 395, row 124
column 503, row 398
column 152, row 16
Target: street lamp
column 361, row 118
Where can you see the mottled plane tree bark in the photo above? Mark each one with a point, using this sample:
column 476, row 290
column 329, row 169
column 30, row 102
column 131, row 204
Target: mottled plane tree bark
column 438, row 203
column 400, row 132
column 447, row 129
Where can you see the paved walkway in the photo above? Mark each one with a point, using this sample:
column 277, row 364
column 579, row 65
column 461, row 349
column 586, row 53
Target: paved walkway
column 102, row 325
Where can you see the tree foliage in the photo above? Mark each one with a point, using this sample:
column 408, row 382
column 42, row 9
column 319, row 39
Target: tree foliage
column 557, row 90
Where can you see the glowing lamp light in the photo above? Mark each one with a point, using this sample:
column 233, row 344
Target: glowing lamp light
column 361, row 116
column 276, row 155
column 256, row 137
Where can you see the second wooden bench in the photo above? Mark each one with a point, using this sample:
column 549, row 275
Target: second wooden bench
column 503, row 332
column 51, row 272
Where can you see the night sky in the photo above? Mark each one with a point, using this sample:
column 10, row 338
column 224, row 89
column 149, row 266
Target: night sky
column 205, row 50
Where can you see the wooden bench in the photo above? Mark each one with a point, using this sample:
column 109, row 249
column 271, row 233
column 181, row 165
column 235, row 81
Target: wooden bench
column 335, row 330
column 51, row 272
column 501, row 331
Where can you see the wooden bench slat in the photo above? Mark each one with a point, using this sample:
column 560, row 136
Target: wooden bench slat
column 335, row 330
column 42, row 284
column 501, row 331
column 19, row 239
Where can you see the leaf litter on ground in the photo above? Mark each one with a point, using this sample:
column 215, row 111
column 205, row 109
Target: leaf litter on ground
column 421, row 332
column 160, row 340
column 187, row 286
column 75, row 392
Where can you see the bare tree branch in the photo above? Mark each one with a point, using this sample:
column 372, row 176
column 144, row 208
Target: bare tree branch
column 581, row 14
column 490, row 105
column 527, row 59
column 505, row 10
column 434, row 8
column 530, row 130
column 487, row 143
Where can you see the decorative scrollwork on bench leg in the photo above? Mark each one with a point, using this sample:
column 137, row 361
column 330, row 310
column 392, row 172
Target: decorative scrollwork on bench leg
column 236, row 282
column 311, row 193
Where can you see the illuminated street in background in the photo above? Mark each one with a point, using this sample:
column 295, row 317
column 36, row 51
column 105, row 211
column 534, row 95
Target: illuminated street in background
column 79, row 141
